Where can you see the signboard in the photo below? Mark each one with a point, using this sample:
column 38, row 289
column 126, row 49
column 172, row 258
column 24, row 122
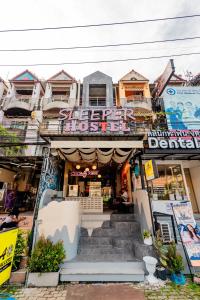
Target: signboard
column 95, row 189
column 150, row 170
column 164, row 79
column 7, row 249
column 84, row 174
column 179, row 139
column 189, row 231
column 73, row 190
column 96, row 120
column 182, row 107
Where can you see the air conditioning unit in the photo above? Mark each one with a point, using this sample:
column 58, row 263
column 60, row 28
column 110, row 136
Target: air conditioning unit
column 165, row 232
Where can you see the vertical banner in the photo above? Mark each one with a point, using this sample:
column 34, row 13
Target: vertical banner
column 7, row 249
column 188, row 230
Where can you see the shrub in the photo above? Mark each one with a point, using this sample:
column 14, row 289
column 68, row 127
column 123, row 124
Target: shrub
column 146, row 234
column 46, row 256
column 20, row 248
column 174, row 259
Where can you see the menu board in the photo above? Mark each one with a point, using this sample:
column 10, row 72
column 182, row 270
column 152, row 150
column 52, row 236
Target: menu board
column 95, row 189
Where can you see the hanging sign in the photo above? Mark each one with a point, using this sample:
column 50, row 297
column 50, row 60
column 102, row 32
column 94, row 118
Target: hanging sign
column 7, row 249
column 189, row 231
column 84, row 174
column 151, row 171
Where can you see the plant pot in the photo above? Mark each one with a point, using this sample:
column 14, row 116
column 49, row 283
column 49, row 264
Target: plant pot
column 151, row 263
column 161, row 273
column 178, row 278
column 148, row 241
column 196, row 279
column 43, row 279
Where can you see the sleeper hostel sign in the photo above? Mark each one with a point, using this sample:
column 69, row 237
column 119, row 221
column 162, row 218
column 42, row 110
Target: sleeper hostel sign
column 7, row 249
column 97, row 120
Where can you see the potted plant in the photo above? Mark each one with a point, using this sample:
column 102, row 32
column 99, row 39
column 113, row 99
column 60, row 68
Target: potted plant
column 175, row 265
column 196, row 278
column 147, row 238
column 44, row 263
column 20, row 249
column 161, row 251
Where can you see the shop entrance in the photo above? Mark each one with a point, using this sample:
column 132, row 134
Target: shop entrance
column 101, row 178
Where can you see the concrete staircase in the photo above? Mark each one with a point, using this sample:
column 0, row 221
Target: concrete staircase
column 109, row 254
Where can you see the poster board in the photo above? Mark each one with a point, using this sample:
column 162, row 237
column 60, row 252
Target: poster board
column 7, row 248
column 151, row 171
column 95, row 189
column 189, row 231
column 73, row 191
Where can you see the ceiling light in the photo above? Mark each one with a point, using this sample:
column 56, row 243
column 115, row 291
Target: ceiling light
column 94, row 167
column 99, row 176
column 87, row 169
column 78, row 167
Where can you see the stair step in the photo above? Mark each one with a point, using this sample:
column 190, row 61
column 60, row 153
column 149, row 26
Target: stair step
column 96, row 241
column 113, row 232
column 102, row 271
column 117, row 257
column 104, row 250
column 122, row 217
column 94, row 246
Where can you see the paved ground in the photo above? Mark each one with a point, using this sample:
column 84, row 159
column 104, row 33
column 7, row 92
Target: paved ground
column 110, row 292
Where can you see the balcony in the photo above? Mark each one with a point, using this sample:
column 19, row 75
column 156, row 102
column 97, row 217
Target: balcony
column 56, row 102
column 97, row 101
column 21, row 102
column 137, row 101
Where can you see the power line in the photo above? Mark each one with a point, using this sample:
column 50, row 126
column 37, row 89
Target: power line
column 99, row 61
column 99, row 25
column 100, row 46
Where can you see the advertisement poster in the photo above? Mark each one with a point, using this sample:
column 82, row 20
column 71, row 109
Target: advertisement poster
column 7, row 249
column 73, row 190
column 189, row 231
column 95, row 189
column 150, row 170
column 182, row 107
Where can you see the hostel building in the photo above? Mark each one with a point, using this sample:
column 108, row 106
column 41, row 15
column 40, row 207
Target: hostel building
column 87, row 144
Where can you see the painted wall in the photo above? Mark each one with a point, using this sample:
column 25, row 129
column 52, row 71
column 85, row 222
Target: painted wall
column 6, row 175
column 142, row 85
column 194, row 173
column 97, row 78
column 142, row 209
column 61, row 221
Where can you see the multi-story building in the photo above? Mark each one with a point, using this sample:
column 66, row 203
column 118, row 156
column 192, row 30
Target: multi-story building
column 95, row 137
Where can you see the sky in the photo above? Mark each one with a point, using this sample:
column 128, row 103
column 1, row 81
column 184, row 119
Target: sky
column 49, row 13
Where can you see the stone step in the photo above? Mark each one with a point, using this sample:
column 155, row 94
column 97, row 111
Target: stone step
column 102, row 271
column 93, row 246
column 125, row 225
column 89, row 251
column 113, row 232
column 117, row 257
column 96, row 241
column 122, row 217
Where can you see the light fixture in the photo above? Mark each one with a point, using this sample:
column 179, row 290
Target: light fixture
column 94, row 167
column 87, row 169
column 99, row 176
column 78, row 167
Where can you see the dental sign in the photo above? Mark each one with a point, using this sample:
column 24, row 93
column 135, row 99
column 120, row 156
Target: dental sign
column 179, row 139
column 97, row 120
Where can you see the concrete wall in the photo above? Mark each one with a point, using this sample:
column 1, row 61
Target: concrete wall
column 194, row 173
column 61, row 221
column 98, row 78
column 142, row 209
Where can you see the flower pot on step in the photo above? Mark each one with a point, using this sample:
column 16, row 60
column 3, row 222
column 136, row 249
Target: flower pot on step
column 161, row 273
column 178, row 278
column 148, row 241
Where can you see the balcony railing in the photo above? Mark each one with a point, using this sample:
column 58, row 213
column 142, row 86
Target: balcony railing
column 56, row 98
column 136, row 98
column 22, row 98
column 97, row 101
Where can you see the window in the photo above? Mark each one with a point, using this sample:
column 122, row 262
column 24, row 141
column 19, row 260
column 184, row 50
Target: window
column 97, row 94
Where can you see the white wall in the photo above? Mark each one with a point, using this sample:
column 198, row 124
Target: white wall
column 142, row 209
column 195, row 176
column 61, row 221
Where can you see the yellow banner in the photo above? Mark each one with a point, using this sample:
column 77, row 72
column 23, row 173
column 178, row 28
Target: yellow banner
column 149, row 170
column 7, row 249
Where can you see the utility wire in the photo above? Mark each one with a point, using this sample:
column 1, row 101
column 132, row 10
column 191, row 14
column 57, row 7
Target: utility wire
column 99, row 61
column 100, row 46
column 99, row 25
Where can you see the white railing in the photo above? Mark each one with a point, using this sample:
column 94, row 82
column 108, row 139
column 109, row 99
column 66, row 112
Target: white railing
column 89, row 204
column 57, row 98
column 97, row 101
